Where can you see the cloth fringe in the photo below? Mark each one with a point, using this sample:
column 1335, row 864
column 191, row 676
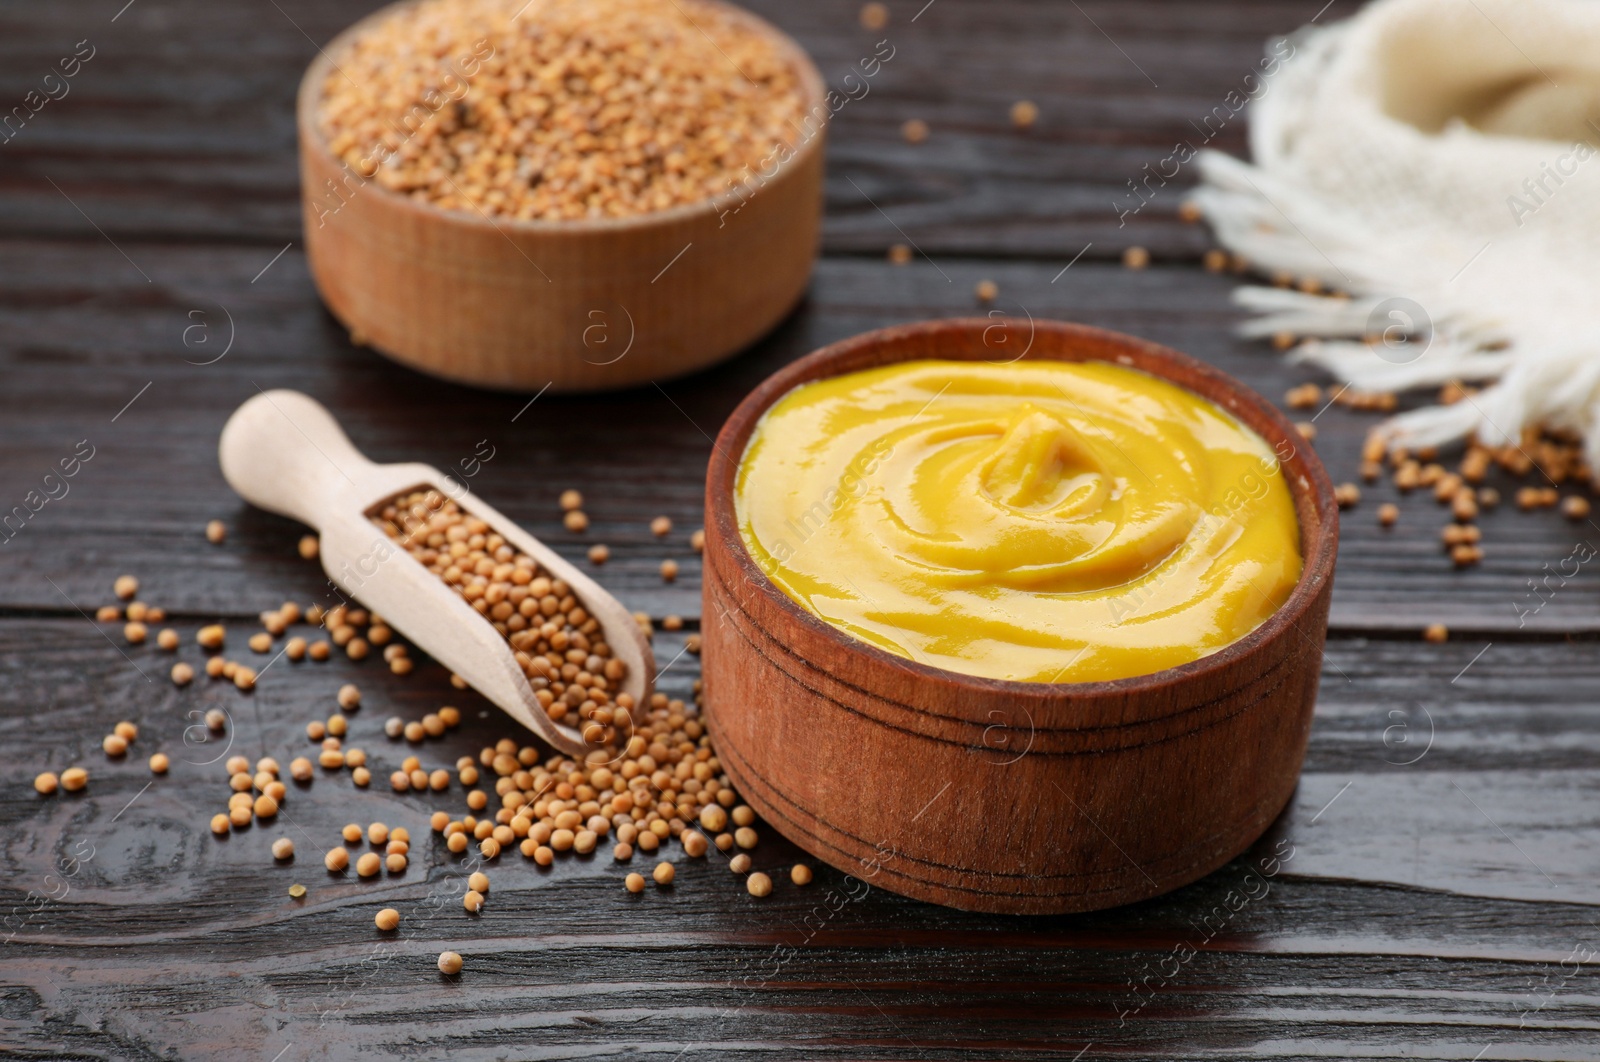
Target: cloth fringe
column 1287, row 214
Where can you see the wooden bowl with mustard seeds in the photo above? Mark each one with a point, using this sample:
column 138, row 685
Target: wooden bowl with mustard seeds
column 1024, row 797
column 584, row 194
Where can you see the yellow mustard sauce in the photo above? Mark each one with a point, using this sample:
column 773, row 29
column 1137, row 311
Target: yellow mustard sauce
column 1036, row 521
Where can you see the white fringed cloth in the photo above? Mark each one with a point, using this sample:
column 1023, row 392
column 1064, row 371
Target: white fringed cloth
column 1437, row 160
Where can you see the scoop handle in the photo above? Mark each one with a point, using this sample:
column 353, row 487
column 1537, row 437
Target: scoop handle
column 282, row 451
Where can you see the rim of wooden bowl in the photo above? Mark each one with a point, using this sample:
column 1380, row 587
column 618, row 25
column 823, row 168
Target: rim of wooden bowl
column 1319, row 539
column 312, row 138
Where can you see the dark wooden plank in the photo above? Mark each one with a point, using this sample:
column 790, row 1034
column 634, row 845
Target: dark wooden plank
column 82, row 333
column 181, row 125
column 1439, row 899
column 168, row 941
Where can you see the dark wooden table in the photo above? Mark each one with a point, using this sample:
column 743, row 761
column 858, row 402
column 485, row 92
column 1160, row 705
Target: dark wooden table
column 1439, row 865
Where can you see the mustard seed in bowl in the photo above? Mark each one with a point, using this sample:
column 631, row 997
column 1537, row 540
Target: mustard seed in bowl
column 560, row 109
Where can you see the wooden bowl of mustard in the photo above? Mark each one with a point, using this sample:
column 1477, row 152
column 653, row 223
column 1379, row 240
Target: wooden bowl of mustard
column 571, row 303
column 939, row 752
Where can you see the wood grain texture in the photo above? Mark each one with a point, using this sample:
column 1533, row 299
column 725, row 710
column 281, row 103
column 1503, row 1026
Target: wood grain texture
column 1406, row 924
column 171, row 942
column 81, row 334
column 212, row 152
column 1187, row 766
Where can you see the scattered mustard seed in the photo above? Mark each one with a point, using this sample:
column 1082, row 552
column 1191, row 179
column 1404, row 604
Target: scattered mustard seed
column 125, row 587
column 669, row 570
column 1135, row 258
column 297, row 891
column 216, row 531
column 1436, row 632
column 449, row 963
column 661, row 526
column 387, row 920
column 987, row 291
column 309, row 547
column 739, row 864
column 1306, row 396
column 261, row 642
column 915, row 131
column 758, row 884
column 211, row 637
column 575, row 521
column 114, row 744
column 1024, row 113
column 135, row 632
column 74, row 779
column 697, row 541
column 159, row 763
column 1388, row 514
column 599, row 554
column 283, row 848
column 220, row 825
column 874, row 16
column 472, row 901
column 800, row 874
column 46, row 782
column 899, row 254
column 663, row 873
column 634, row 882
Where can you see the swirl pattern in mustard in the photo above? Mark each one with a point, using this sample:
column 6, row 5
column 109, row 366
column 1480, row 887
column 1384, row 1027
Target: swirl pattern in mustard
column 1038, row 521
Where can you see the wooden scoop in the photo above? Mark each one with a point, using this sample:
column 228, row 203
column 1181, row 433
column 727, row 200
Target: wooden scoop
column 282, row 451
